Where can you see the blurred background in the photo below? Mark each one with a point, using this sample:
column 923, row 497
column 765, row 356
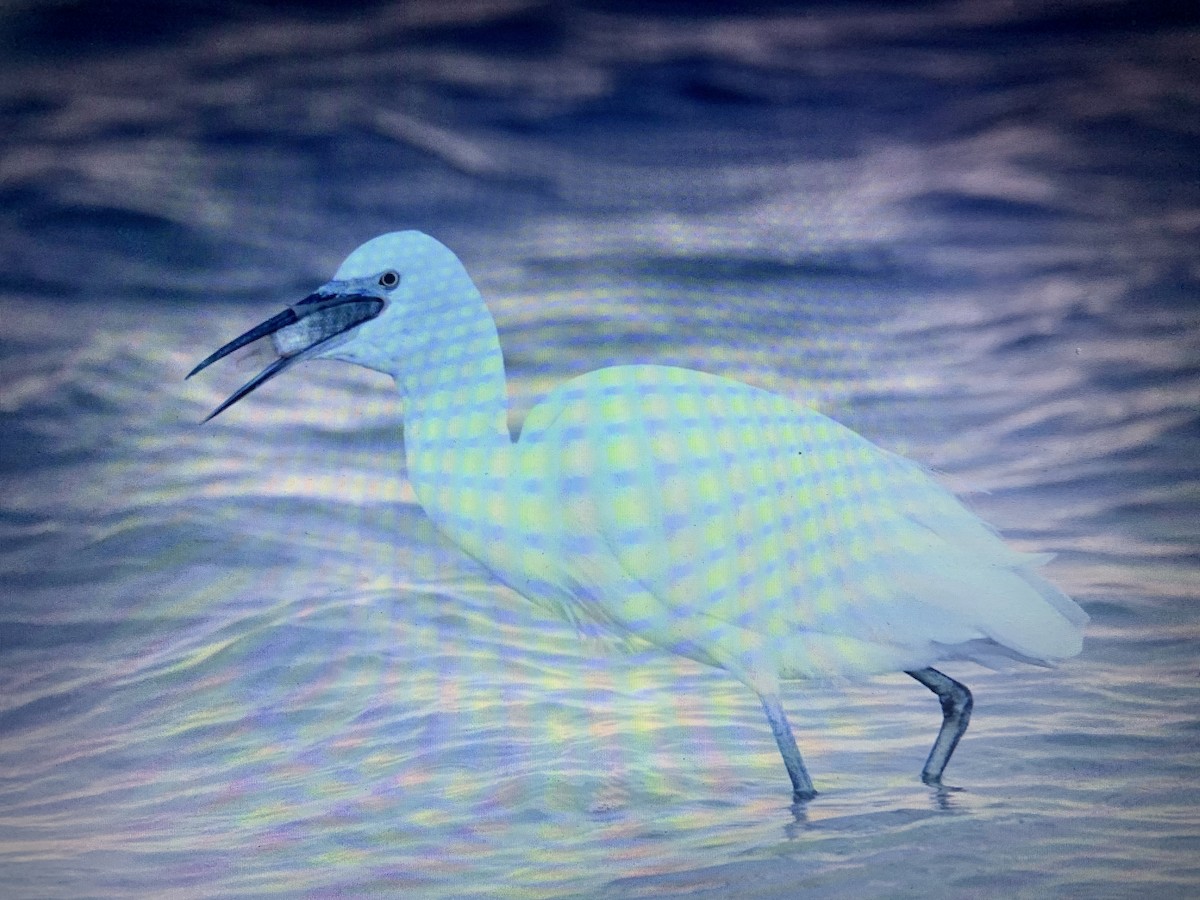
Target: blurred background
column 236, row 660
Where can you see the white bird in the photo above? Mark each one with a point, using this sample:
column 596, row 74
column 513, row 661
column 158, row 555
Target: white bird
column 707, row 517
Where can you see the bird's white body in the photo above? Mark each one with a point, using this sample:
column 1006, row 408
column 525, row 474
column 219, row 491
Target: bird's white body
column 730, row 525
column 701, row 515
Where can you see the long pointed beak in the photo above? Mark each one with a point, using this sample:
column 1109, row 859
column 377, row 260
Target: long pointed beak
column 300, row 331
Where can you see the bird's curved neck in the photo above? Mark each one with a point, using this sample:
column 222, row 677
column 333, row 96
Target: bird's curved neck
column 455, row 414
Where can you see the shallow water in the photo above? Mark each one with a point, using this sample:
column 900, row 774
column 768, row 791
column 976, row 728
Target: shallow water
column 237, row 661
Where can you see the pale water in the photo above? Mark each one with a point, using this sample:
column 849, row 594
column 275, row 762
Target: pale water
column 236, row 661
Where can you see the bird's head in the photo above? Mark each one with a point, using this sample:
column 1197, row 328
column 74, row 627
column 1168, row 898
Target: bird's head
column 372, row 312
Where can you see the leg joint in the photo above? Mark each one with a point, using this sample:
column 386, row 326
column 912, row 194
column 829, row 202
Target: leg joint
column 957, row 703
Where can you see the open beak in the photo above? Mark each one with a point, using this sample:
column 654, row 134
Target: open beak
column 299, row 331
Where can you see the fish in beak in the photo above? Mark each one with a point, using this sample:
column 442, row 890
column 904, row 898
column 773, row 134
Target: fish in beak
column 299, row 332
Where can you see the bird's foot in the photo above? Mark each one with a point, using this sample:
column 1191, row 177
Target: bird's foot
column 942, row 796
column 935, row 782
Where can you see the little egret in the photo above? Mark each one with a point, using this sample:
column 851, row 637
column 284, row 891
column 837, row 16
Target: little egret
column 702, row 515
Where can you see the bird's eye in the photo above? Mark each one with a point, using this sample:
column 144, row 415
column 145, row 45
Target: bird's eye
column 389, row 279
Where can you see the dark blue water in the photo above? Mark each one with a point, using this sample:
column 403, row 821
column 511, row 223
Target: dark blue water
column 236, row 660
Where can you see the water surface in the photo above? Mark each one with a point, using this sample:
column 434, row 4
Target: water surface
column 236, row 660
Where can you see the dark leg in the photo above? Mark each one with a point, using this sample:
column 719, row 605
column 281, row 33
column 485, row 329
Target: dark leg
column 956, row 713
column 802, row 786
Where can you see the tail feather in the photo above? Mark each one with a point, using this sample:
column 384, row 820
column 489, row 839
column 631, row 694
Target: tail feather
column 967, row 571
